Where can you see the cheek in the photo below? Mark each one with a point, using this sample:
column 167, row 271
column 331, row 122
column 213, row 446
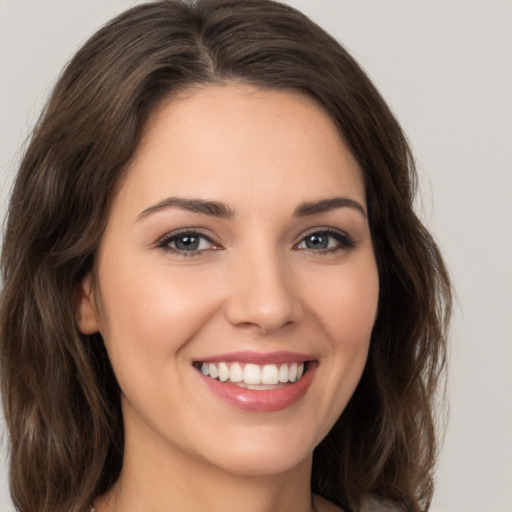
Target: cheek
column 345, row 312
column 149, row 313
column 346, row 306
column 149, row 317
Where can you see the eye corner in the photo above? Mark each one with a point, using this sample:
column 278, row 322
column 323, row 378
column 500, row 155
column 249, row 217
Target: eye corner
column 322, row 241
column 198, row 242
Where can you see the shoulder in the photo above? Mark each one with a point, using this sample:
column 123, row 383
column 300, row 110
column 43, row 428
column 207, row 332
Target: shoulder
column 370, row 504
column 375, row 504
column 323, row 505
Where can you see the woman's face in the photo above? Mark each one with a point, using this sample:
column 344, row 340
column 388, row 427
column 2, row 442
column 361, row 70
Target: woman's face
column 237, row 255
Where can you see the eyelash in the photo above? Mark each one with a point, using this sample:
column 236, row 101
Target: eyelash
column 165, row 242
column 345, row 242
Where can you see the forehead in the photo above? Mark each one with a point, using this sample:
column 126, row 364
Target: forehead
column 237, row 143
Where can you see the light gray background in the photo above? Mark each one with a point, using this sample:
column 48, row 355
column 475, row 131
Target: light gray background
column 445, row 68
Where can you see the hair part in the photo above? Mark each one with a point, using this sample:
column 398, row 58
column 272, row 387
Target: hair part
column 60, row 396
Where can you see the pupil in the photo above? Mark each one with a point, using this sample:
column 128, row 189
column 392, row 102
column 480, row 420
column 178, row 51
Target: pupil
column 317, row 242
column 187, row 243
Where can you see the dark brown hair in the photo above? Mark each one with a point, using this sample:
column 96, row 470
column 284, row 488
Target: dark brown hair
column 60, row 396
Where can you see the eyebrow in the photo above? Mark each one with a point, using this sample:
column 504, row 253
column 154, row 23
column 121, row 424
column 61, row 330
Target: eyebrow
column 325, row 205
column 214, row 208
column 222, row 210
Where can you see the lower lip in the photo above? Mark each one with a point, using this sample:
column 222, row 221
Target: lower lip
column 270, row 400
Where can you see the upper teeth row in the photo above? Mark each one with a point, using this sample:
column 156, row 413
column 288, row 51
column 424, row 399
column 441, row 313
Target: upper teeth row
column 253, row 373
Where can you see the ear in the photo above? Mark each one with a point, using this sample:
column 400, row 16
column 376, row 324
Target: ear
column 87, row 313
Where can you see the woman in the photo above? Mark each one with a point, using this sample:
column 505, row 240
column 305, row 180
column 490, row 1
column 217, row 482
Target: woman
column 216, row 294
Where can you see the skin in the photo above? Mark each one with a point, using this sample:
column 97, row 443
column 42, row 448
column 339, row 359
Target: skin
column 257, row 286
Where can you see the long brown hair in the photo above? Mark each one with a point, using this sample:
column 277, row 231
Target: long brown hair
column 60, row 397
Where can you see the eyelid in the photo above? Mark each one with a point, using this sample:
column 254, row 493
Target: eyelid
column 323, row 229
column 344, row 240
column 164, row 241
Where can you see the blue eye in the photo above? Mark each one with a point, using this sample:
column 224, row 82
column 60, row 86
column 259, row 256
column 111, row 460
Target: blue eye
column 317, row 241
column 187, row 243
column 326, row 241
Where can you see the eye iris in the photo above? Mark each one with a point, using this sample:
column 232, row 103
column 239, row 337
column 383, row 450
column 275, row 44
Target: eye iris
column 317, row 241
column 187, row 243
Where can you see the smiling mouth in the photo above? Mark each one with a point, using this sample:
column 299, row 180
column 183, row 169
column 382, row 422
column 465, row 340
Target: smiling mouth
column 253, row 376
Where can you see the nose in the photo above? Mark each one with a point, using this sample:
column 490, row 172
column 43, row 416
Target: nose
column 262, row 294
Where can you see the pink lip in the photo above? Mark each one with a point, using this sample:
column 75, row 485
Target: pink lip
column 258, row 357
column 261, row 400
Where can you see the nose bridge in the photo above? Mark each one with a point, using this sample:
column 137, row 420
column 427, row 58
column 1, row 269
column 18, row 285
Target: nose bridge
column 263, row 294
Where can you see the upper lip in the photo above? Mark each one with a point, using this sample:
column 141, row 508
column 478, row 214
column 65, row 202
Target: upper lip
column 258, row 357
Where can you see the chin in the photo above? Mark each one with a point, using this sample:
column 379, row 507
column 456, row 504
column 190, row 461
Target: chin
column 264, row 463
column 261, row 452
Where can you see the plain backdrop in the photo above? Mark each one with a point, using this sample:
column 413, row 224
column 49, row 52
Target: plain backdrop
column 445, row 68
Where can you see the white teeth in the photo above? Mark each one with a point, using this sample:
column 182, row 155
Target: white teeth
column 269, row 374
column 223, row 372
column 236, row 373
column 253, row 374
column 292, row 372
column 283, row 373
column 214, row 372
